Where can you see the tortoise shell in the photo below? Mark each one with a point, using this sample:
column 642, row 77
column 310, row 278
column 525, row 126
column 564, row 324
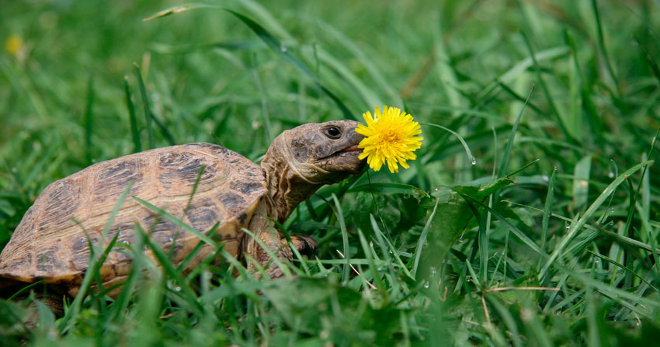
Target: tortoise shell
column 51, row 242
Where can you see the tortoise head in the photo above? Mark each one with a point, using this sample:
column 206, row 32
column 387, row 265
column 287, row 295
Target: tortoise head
column 322, row 153
column 304, row 158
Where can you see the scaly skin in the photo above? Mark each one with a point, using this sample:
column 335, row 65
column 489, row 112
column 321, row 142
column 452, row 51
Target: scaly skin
column 299, row 162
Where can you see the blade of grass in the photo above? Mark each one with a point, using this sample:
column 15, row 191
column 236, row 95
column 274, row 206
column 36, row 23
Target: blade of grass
column 471, row 157
column 88, row 119
column 625, row 268
column 390, row 247
column 178, row 222
column 524, row 238
column 145, row 106
column 422, row 238
column 278, row 47
column 575, row 227
column 263, row 96
column 546, row 92
column 581, row 182
column 188, row 295
column 603, row 48
column 130, row 104
column 373, row 268
column 344, row 236
column 509, row 145
column 286, row 269
column 547, row 210
column 67, row 322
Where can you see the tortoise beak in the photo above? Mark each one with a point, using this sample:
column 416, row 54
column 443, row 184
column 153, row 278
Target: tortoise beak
column 346, row 157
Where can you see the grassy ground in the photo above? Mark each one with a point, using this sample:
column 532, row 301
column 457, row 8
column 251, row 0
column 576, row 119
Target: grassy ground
column 545, row 234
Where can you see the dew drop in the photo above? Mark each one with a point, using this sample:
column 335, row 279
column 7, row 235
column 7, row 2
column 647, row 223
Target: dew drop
column 545, row 178
column 568, row 226
column 433, row 270
column 610, row 174
column 474, row 161
column 468, row 278
column 427, row 285
column 283, row 49
column 177, row 289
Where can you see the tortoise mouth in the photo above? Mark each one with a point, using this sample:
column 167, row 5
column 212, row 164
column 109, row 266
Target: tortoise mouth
column 353, row 148
column 350, row 151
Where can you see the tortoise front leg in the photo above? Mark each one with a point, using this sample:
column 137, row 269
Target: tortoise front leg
column 277, row 244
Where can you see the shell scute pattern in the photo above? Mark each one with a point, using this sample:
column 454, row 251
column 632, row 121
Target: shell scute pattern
column 231, row 201
column 178, row 173
column 50, row 242
column 115, row 177
column 245, row 187
column 62, row 200
column 203, row 213
column 47, row 260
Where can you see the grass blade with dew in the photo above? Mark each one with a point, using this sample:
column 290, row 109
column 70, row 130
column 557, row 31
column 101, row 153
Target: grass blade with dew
column 581, row 182
column 422, row 238
column 186, row 292
column 547, row 210
column 517, row 232
column 388, row 188
column 575, row 227
column 471, row 157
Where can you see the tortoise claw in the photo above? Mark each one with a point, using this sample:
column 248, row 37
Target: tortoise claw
column 306, row 245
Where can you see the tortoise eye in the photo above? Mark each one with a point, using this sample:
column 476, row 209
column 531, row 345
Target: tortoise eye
column 333, row 132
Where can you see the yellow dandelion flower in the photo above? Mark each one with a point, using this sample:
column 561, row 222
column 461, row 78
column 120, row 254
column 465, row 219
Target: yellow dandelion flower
column 14, row 44
column 389, row 137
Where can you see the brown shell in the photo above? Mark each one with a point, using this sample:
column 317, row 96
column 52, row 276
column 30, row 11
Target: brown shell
column 51, row 242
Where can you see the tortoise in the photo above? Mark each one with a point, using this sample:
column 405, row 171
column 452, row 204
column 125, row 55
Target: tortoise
column 51, row 243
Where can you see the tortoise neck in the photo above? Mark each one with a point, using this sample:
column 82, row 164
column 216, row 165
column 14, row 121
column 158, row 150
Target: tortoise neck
column 286, row 186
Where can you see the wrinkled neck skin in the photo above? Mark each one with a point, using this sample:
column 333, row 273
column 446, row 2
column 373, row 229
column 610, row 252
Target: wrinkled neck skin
column 287, row 186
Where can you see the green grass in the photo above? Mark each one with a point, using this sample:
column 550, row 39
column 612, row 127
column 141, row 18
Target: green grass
column 551, row 238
